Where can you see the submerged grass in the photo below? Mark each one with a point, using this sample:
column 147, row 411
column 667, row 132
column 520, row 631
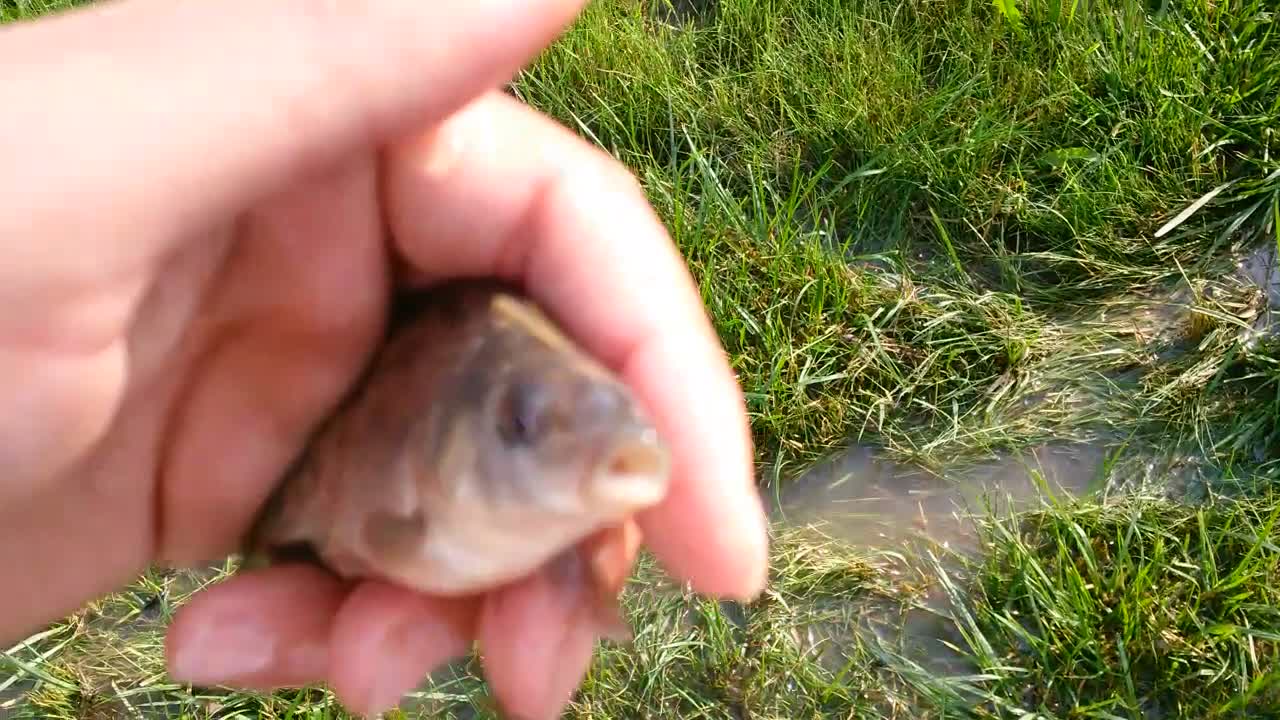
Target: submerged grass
column 948, row 229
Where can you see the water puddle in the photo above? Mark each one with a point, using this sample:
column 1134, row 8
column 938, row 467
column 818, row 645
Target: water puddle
column 922, row 526
column 871, row 501
column 1262, row 268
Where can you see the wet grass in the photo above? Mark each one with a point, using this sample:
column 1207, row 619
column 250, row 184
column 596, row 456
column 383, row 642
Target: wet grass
column 1140, row 610
column 29, row 9
column 949, row 233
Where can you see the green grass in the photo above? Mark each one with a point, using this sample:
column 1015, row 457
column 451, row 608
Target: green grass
column 950, row 233
column 28, row 9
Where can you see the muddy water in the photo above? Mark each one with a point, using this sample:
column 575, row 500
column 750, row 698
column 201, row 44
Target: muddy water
column 874, row 502
column 1262, row 267
column 924, row 524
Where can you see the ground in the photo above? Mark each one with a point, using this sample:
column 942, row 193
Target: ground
column 954, row 236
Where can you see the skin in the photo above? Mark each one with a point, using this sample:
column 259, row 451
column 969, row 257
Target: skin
column 204, row 205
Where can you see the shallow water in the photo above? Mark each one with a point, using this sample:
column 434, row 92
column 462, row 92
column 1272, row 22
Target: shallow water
column 1262, row 267
column 869, row 500
column 909, row 515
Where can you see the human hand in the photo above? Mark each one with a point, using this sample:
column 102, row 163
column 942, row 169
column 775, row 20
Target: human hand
column 204, row 203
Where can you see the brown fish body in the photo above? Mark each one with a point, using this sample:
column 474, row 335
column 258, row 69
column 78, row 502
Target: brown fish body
column 481, row 445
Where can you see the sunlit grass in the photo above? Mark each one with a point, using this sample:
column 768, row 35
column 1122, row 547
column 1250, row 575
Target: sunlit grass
column 946, row 231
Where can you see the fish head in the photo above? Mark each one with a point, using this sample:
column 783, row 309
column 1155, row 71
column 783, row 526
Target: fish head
column 548, row 432
column 482, row 443
column 571, row 442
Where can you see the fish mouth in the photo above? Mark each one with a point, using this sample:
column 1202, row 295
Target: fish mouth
column 632, row 474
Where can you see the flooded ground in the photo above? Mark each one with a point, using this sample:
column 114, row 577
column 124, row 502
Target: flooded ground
column 1262, row 267
column 922, row 526
column 915, row 524
column 868, row 500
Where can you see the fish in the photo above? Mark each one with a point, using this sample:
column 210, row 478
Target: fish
column 480, row 445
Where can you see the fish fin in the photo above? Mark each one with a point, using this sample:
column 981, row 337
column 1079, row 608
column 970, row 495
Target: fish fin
column 593, row 587
column 394, row 536
column 611, row 554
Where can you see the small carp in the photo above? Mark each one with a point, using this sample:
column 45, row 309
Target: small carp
column 481, row 445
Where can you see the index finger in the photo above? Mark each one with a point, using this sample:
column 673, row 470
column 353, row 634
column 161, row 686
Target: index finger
column 237, row 98
column 502, row 190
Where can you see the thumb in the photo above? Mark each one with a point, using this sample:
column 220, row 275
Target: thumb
column 132, row 125
column 138, row 121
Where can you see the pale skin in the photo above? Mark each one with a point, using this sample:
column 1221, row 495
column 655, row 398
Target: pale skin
column 203, row 201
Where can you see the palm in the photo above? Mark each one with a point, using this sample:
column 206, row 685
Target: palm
column 239, row 345
column 167, row 350
column 182, row 371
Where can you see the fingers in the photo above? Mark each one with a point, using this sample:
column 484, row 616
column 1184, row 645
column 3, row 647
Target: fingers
column 259, row 630
column 536, row 640
column 386, row 640
column 159, row 116
column 290, row 626
column 295, row 312
column 500, row 189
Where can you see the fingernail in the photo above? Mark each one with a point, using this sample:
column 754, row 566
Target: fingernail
column 222, row 655
column 753, row 549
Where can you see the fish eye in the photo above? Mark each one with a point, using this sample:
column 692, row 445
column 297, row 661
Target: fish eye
column 522, row 413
